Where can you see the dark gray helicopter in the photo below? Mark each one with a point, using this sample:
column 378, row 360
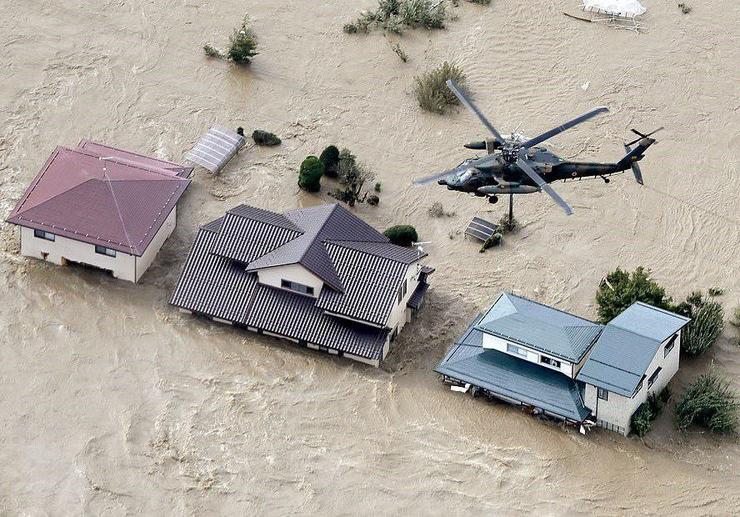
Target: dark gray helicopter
column 518, row 166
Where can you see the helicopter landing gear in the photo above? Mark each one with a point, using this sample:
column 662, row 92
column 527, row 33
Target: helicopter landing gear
column 478, row 194
column 606, row 180
column 493, row 199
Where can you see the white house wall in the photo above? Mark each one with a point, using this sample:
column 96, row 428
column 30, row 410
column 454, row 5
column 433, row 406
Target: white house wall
column 400, row 314
column 146, row 259
column 533, row 356
column 122, row 266
column 618, row 410
column 273, row 276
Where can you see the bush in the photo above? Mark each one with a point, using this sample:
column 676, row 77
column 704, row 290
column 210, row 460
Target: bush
column 437, row 210
column 402, row 235
column 506, row 226
column 212, row 52
column 642, row 420
column 397, row 15
column 378, row 188
column 665, row 395
column 353, row 177
column 242, row 44
column 265, row 138
column 493, row 240
column 621, row 289
column 431, row 91
column 709, row 403
column 309, row 177
column 330, row 159
column 707, row 324
column 373, row 200
column 655, row 403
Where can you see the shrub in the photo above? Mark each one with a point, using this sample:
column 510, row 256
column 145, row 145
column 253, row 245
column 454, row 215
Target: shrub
column 642, row 420
column 309, row 177
column 493, row 240
column 265, row 138
column 707, row 323
column 685, row 8
column 378, row 188
column 665, row 395
column 508, row 226
column 212, row 52
column 621, row 289
column 402, row 235
column 655, row 403
column 242, row 44
column 330, row 159
column 397, row 15
column 437, row 210
column 709, row 403
column 715, row 291
column 400, row 52
column 431, row 91
column 373, row 200
column 353, row 177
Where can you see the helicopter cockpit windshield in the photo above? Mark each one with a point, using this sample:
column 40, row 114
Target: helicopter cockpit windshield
column 465, row 176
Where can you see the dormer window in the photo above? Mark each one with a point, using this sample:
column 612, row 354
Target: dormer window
column 296, row 287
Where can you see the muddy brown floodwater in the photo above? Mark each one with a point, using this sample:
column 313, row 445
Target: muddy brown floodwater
column 111, row 402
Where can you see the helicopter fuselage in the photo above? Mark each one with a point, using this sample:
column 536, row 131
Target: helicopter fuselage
column 496, row 173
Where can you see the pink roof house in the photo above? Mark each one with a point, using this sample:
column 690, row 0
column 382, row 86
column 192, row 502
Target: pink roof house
column 100, row 206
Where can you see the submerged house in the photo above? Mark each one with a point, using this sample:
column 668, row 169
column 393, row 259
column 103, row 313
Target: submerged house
column 100, row 206
column 320, row 277
column 564, row 366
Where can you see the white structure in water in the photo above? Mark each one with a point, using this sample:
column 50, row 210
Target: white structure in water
column 565, row 366
column 100, row 206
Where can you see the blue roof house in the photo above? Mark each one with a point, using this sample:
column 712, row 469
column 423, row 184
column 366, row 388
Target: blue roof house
column 564, row 366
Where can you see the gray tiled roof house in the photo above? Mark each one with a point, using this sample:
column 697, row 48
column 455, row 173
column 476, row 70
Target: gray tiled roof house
column 319, row 276
column 565, row 366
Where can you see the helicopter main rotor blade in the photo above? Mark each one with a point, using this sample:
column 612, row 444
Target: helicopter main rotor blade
column 556, row 131
column 523, row 165
column 434, row 177
column 462, row 97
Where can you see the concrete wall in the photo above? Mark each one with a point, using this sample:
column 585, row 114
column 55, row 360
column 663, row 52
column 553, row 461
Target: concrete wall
column 143, row 262
column 533, row 356
column 273, row 276
column 62, row 249
column 616, row 412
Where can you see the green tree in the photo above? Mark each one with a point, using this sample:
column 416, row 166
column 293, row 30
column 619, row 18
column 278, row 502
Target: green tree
column 621, row 289
column 242, row 44
column 330, row 159
column 309, row 177
column 707, row 323
column 710, row 403
column 402, row 235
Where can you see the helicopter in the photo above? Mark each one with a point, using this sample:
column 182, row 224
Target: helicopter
column 517, row 165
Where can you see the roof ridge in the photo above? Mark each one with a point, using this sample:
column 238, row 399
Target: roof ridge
column 366, row 252
column 551, row 308
column 21, row 212
column 118, row 211
column 93, row 142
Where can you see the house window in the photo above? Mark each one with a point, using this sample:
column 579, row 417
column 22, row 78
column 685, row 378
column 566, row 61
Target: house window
column 513, row 349
column 602, row 394
column 669, row 346
column 405, row 286
column 400, row 294
column 639, row 386
column 296, row 287
column 41, row 234
column 549, row 360
column 105, row 251
column 654, row 376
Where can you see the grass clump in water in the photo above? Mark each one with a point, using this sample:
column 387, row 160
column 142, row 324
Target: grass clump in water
column 430, row 89
column 398, row 15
